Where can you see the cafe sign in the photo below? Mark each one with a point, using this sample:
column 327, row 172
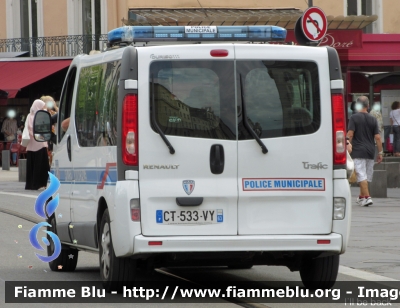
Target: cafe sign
column 338, row 39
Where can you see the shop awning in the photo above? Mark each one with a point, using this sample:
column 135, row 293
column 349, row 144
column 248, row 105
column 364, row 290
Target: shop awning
column 15, row 75
column 284, row 17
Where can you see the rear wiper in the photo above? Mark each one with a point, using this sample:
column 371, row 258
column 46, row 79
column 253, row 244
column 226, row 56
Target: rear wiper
column 153, row 119
column 246, row 123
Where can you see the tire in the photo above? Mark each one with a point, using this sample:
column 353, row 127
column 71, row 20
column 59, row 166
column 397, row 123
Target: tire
column 115, row 272
column 68, row 258
column 320, row 273
column 241, row 265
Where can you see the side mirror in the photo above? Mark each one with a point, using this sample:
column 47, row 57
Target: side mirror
column 42, row 126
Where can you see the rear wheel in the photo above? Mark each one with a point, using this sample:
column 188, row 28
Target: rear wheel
column 68, row 258
column 115, row 272
column 320, row 273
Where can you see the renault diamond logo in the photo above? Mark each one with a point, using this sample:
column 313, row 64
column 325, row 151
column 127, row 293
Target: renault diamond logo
column 188, row 186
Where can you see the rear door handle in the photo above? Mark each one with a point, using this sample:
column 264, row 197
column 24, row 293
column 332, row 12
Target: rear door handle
column 217, row 159
column 189, row 201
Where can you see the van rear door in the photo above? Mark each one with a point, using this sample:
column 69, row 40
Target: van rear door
column 194, row 190
column 286, row 94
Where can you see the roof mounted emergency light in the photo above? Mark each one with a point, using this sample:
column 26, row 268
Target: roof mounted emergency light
column 196, row 33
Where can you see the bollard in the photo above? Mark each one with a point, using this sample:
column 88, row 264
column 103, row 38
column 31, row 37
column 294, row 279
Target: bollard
column 378, row 186
column 22, row 170
column 393, row 174
column 391, row 159
column 5, row 162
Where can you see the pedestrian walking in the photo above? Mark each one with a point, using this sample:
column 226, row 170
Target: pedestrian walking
column 363, row 133
column 9, row 130
column 37, row 165
column 376, row 113
column 395, row 122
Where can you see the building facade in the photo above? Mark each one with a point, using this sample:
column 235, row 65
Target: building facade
column 49, row 18
column 362, row 31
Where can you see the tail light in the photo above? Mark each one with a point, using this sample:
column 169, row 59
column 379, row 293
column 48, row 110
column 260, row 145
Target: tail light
column 339, row 130
column 135, row 214
column 135, row 210
column 130, row 150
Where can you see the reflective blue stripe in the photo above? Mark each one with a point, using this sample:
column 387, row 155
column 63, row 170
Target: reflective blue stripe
column 90, row 176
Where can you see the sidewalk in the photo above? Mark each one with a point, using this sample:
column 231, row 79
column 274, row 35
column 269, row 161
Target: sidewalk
column 9, row 182
column 374, row 238
column 9, row 176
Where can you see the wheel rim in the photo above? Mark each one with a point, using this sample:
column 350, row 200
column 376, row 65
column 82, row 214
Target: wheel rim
column 105, row 247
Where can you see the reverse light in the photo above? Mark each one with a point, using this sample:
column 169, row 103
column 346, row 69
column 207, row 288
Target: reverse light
column 339, row 208
column 130, row 130
column 339, row 130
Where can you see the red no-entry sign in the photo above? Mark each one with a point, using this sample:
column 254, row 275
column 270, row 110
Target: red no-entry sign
column 314, row 24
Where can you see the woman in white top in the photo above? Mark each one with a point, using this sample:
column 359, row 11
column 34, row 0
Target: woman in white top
column 37, row 164
column 395, row 122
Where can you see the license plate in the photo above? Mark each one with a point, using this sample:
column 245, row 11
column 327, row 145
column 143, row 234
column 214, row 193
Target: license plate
column 189, row 217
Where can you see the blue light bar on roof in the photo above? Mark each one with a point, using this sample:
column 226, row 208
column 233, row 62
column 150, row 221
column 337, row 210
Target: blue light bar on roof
column 196, row 33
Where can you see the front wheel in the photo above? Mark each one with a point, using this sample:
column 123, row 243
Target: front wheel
column 320, row 273
column 115, row 272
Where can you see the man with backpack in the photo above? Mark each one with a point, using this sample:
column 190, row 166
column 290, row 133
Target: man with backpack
column 363, row 131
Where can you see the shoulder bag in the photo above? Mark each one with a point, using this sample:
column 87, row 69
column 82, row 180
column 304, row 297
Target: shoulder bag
column 25, row 134
column 350, row 169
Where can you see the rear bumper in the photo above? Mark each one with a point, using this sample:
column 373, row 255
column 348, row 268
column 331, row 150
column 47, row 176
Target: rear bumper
column 238, row 243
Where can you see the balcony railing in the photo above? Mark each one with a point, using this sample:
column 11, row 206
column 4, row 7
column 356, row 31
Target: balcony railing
column 55, row 46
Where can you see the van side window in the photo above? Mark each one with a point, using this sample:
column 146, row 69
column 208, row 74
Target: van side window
column 96, row 106
column 66, row 101
column 194, row 98
column 282, row 97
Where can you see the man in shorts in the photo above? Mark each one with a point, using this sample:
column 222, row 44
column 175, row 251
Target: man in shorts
column 363, row 132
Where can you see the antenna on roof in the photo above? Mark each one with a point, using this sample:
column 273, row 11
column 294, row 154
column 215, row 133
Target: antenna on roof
column 205, row 13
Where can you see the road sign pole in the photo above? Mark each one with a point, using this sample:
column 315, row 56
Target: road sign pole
column 310, row 3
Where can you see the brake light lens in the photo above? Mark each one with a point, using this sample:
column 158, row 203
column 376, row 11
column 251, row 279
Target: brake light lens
column 219, row 53
column 135, row 214
column 339, row 129
column 135, row 210
column 130, row 148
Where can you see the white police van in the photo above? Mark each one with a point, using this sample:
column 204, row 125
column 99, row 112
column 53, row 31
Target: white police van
column 226, row 153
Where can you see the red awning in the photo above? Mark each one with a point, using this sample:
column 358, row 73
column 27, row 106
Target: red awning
column 380, row 50
column 15, row 75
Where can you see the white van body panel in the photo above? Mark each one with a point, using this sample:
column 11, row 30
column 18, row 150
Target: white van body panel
column 298, row 211
column 62, row 168
column 238, row 243
column 123, row 229
column 160, row 188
